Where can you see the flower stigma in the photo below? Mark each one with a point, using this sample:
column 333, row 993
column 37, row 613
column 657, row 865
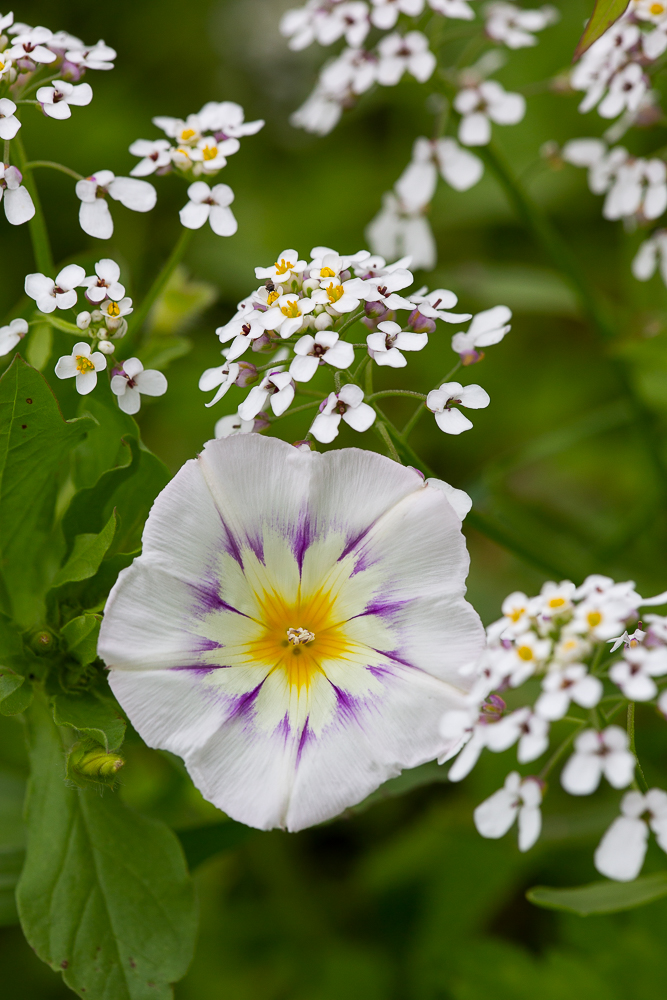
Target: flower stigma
column 84, row 364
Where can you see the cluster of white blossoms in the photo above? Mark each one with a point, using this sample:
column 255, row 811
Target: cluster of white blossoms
column 635, row 187
column 575, row 640
column 300, row 314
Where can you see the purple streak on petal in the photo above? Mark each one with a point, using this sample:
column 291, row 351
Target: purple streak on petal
column 244, row 703
column 345, row 701
column 232, row 546
column 257, row 546
column 394, row 654
column 306, row 734
column 202, row 671
column 380, row 672
column 383, row 608
column 302, row 538
column 208, row 595
column 207, row 644
column 352, row 544
column 283, row 728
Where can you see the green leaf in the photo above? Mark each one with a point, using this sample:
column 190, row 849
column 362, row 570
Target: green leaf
column 203, row 842
column 18, row 701
column 81, row 636
column 12, row 837
column 87, row 554
column 9, row 682
column 89, row 714
column 601, row 897
column 605, row 13
column 103, row 448
column 11, row 863
column 40, row 345
column 34, row 440
column 104, row 897
column 91, row 594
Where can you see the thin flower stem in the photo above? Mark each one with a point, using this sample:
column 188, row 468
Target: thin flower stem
column 140, row 316
column 52, row 165
column 633, row 749
column 412, row 422
column 560, row 752
column 368, row 380
column 357, row 314
column 39, row 235
column 296, row 409
column 309, row 392
column 380, row 429
column 396, row 392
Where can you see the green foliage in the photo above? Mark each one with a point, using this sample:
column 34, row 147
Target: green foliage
column 88, row 713
column 87, row 554
column 89, row 765
column 605, row 13
column 601, row 897
column 34, row 441
column 104, row 896
column 80, row 635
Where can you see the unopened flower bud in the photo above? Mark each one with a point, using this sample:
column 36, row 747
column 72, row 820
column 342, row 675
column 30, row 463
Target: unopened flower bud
column 106, row 347
column 83, row 320
column 88, row 762
column 262, row 422
column 116, row 326
column 304, row 445
column 310, row 284
column 323, row 321
column 419, row 323
column 247, row 374
column 97, row 316
column 471, row 357
column 375, row 309
column 42, row 641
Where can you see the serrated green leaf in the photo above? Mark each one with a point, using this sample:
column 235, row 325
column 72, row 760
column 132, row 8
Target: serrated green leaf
column 87, row 554
column 601, row 897
column 104, row 896
column 34, row 440
column 89, row 714
column 18, row 701
column 605, row 13
column 80, row 635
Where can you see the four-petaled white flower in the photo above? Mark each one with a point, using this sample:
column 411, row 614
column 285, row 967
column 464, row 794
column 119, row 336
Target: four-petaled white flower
column 465, row 731
column 287, row 314
column 286, row 266
column 58, row 294
column 242, row 330
column 99, row 56
column 386, row 344
column 560, row 687
column 324, row 347
column 255, row 538
column 399, row 54
column 598, row 754
column 12, row 334
column 519, row 797
column 223, row 376
column 155, row 155
column 620, row 853
column 17, row 201
column 81, row 364
column 9, row 123
column 277, row 387
column 94, row 215
column 635, row 672
column 347, row 405
column 487, row 328
column 226, row 119
column 210, row 204
column 513, row 26
column 32, row 44
column 104, row 283
column 436, row 305
column 59, row 97
column 397, row 230
column 524, row 725
column 481, row 105
column 131, row 381
column 326, row 23
column 443, row 402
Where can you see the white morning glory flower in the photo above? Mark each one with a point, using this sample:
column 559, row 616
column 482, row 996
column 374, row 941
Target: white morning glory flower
column 131, row 381
column 560, row 687
column 212, row 205
column 58, row 294
column 481, row 105
column 324, row 347
column 155, row 155
column 443, row 401
column 12, row 335
column 16, row 198
column 59, row 97
column 9, row 123
column 399, row 54
column 250, row 543
column 598, row 754
column 347, row 405
column 104, row 283
column 94, row 215
column 386, row 344
column 518, row 798
column 620, row 854
column 83, row 365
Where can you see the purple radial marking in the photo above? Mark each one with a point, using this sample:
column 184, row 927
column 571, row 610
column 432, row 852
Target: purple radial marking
column 232, row 546
column 302, row 537
column 257, row 546
column 205, row 645
column 209, row 597
column 306, row 735
column 352, row 544
column 202, row 671
column 283, row 727
column 381, row 607
column 244, row 703
column 393, row 654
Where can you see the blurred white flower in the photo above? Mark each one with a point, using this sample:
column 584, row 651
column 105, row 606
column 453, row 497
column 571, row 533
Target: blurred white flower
column 326, row 22
column 99, row 56
column 155, row 155
column 13, row 333
column 479, row 106
column 652, row 255
column 59, row 294
column 232, row 424
column 9, row 123
column 465, row 729
column 347, row 405
column 32, row 44
column 226, row 119
column 212, row 205
column 560, row 687
column 396, row 232
column 487, row 328
column 82, row 364
column 635, row 672
column 399, row 54
column 627, row 640
column 384, row 13
column 620, row 854
column 386, row 344
column 443, row 402
column 17, row 201
column 132, row 381
column 514, row 26
column 453, row 8
column 94, row 215
column 518, row 798
column 598, row 754
column 59, row 97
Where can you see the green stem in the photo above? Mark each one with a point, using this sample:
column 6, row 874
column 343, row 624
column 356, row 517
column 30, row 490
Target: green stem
column 396, row 392
column 412, row 422
column 296, row 409
column 382, row 431
column 633, row 749
column 350, row 321
column 37, row 225
column 140, row 315
column 52, row 165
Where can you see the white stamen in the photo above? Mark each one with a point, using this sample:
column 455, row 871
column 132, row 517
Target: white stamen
column 299, row 636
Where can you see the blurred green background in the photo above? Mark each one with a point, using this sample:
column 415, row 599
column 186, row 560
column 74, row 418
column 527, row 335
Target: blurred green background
column 401, row 901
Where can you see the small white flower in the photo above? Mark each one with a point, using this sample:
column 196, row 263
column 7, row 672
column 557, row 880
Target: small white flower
column 104, row 283
column 559, row 687
column 531, row 730
column 59, row 97
column 32, row 44
column 324, row 347
column 570, row 648
column 662, row 703
column 132, row 381
column 481, row 105
column 384, row 13
column 320, row 112
column 386, row 344
column 94, row 215
column 626, row 91
column 453, row 8
column 242, row 330
column 186, row 132
column 635, row 672
column 443, row 401
column 459, row 167
column 630, row 641
column 58, row 294
column 513, row 26
column 620, row 853
column 516, row 618
column 399, row 54
column 18, row 203
column 554, row 599
column 287, row 315
column 598, row 754
column 519, row 797
column 396, row 231
column 435, row 305
column 9, row 123
column 155, row 155
column 11, row 335
column 351, row 74
column 599, row 618
column 277, row 386
column 287, row 266
column 232, row 424
column 227, row 118
column 326, row 23
column 81, row 364
column 115, row 311
column 525, row 657
column 652, row 254
column 223, row 376
column 347, row 405
column 210, row 204
column 385, row 288
column 465, row 730
column 487, row 328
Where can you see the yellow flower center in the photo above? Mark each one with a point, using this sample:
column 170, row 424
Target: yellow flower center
column 283, row 266
column 187, row 134
column 2, row 66
column 210, row 152
column 656, row 9
column 556, row 602
column 291, row 310
column 524, row 653
column 84, row 364
column 516, row 614
column 113, row 309
column 593, row 618
column 183, row 152
column 326, row 272
column 272, row 296
column 335, row 292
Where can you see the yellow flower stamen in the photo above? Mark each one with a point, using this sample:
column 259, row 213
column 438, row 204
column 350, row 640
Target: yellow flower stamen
column 210, row 152
column 656, row 9
column 326, row 272
column 283, row 266
column 335, row 292
column 556, row 602
column 187, row 134
column 272, row 296
column 524, row 653
column 113, row 309
column 291, row 310
column 593, row 618
column 516, row 614
column 299, row 636
column 84, row 364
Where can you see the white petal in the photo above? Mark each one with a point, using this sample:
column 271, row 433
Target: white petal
column 140, row 196
column 95, row 219
column 151, row 382
column 86, row 382
column 222, row 221
column 495, row 815
column 325, row 427
column 194, row 215
column 458, row 499
column 620, row 854
column 581, row 775
column 530, row 826
column 130, row 401
column 361, row 417
column 475, row 130
column 452, row 421
column 18, row 206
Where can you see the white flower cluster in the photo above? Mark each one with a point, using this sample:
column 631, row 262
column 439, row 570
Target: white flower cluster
column 561, row 637
column 29, row 50
column 301, row 311
column 635, row 187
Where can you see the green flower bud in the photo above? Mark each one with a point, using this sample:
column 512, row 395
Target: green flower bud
column 88, row 762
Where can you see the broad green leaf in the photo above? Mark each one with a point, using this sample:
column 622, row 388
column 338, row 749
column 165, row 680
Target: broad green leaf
column 12, row 837
column 601, row 897
column 104, row 896
column 91, row 594
column 605, row 13
column 9, row 682
column 34, row 440
column 11, row 863
column 18, row 700
column 103, row 448
column 89, row 714
column 87, row 554
column 81, row 635
column 203, row 842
